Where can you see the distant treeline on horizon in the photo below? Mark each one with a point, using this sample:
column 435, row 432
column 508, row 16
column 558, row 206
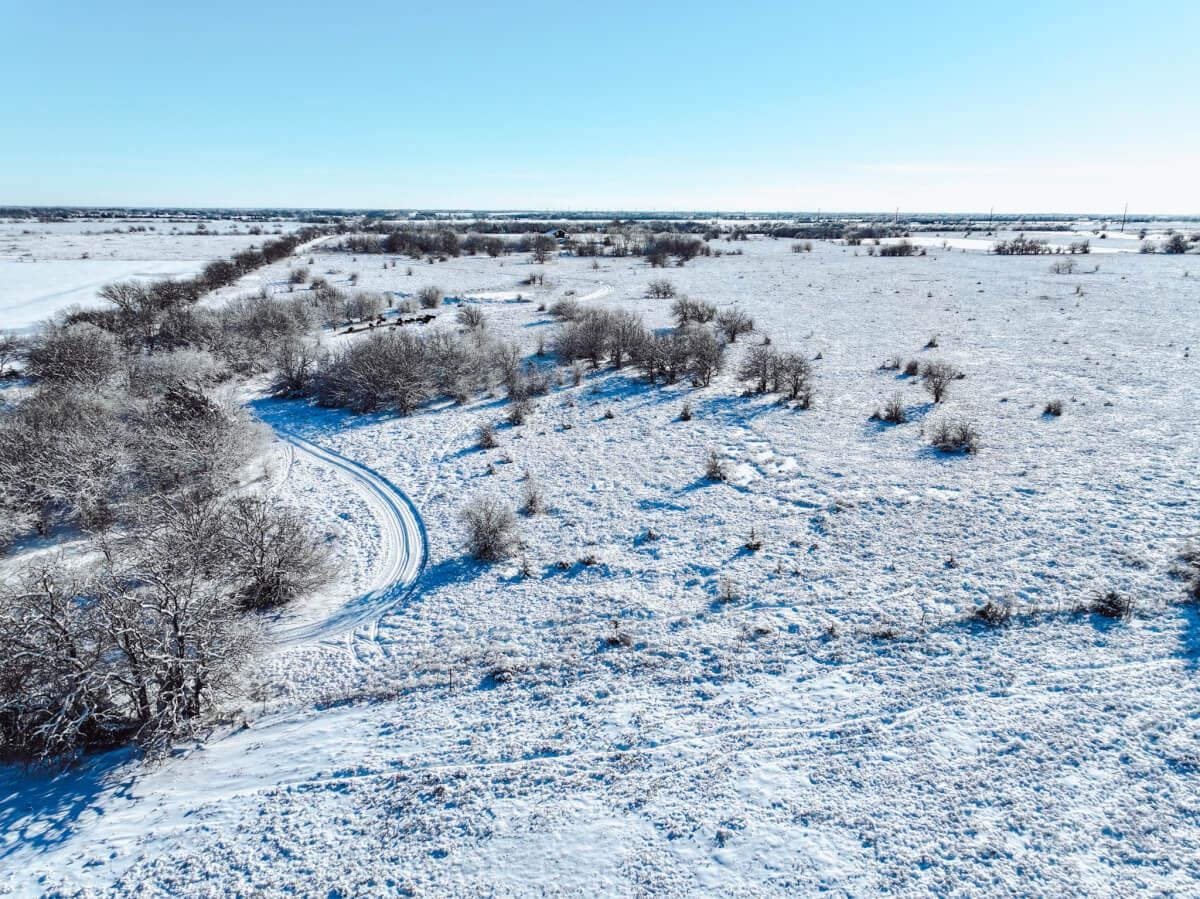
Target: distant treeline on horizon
column 50, row 214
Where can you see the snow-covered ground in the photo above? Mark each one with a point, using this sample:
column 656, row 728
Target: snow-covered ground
column 839, row 725
column 47, row 267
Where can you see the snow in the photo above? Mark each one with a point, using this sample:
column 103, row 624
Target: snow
column 45, row 268
column 839, row 726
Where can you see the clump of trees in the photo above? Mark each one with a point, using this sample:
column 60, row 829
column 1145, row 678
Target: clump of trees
column 900, row 248
column 693, row 350
column 1021, row 246
column 769, row 371
column 138, row 643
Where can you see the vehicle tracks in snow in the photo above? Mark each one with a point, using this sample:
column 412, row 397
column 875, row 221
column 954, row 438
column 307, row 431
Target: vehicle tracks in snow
column 403, row 553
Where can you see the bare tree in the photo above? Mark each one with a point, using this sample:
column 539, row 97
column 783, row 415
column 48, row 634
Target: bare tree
column 793, row 375
column 938, row 376
column 758, row 366
column 734, row 322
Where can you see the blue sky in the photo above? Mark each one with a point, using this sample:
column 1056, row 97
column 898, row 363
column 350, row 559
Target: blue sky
column 750, row 105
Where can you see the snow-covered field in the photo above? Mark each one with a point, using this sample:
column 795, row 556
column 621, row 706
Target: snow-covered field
column 47, row 267
column 834, row 723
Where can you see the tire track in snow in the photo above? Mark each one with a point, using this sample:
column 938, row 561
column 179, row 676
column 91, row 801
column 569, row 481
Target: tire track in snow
column 403, row 548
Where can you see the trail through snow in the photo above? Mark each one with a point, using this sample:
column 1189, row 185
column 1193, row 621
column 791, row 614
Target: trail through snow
column 403, row 549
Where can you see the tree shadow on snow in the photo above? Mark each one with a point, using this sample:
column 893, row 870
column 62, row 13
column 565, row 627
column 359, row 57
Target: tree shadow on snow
column 41, row 808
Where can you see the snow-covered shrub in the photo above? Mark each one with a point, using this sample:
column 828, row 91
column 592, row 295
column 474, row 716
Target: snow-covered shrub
column 136, row 645
column 364, row 305
column 533, row 502
column 758, row 366
column 1054, row 408
column 901, row 248
column 295, row 365
column 400, row 371
column 491, row 529
column 471, row 317
column 81, row 355
column 661, row 289
column 1175, row 244
column 518, row 410
column 270, row 554
column 791, row 373
column 429, row 297
column 565, row 310
column 1189, row 568
column 487, row 436
column 151, row 375
column 912, row 368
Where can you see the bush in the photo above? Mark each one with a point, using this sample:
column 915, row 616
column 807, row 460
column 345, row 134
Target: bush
column 994, row 613
column 714, row 468
column 81, row 355
column 270, row 554
column 687, row 310
column 758, row 366
column 792, row 374
column 902, row 248
column 491, row 529
column 1112, row 604
column 1054, row 408
column 519, row 410
column 912, row 368
column 565, row 310
column 429, row 297
column 950, row 435
column 893, row 411
column 487, row 436
column 660, row 288
column 471, row 318
column 685, row 414
column 1175, row 244
column 938, row 376
column 733, row 322
column 1189, row 568
column 532, row 500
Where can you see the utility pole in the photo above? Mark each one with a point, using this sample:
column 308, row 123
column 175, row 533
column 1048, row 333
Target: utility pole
column 1123, row 214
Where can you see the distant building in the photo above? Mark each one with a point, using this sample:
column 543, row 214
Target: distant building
column 557, row 233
